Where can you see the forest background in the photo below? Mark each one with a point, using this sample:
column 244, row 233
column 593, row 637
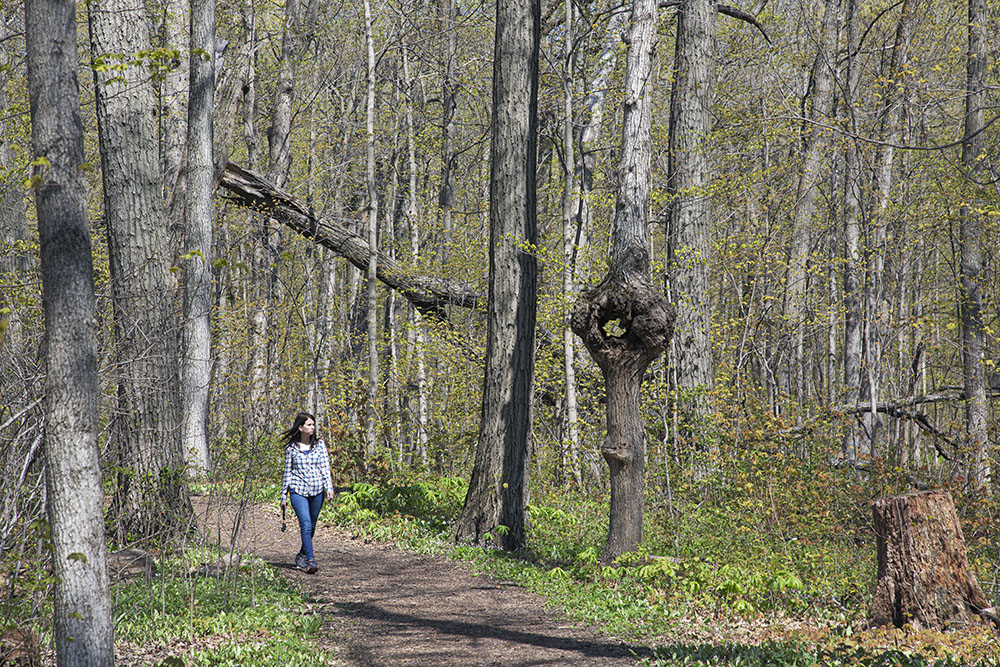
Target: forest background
column 834, row 283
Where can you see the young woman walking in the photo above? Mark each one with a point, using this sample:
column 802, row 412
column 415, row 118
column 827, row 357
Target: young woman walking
column 306, row 481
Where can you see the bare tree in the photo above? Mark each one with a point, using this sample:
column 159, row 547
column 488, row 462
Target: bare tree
column 623, row 321
column 498, row 489
column 82, row 606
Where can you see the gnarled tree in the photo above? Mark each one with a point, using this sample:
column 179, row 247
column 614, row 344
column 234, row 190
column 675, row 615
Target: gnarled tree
column 624, row 322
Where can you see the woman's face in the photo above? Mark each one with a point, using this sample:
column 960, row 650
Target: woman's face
column 308, row 428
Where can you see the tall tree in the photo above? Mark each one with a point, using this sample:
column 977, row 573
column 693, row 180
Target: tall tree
column 971, row 266
column 498, row 489
column 807, row 190
column 689, row 225
column 82, row 605
column 150, row 496
column 372, row 228
column 852, row 237
column 570, row 429
column 196, row 371
column 624, row 322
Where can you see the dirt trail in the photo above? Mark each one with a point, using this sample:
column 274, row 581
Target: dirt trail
column 383, row 606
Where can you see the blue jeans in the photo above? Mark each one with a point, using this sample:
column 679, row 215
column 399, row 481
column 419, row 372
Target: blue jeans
column 307, row 510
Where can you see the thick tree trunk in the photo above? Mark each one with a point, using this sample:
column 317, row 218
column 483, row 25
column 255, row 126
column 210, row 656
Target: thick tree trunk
column 626, row 298
column 196, row 369
column 173, row 100
column 150, row 496
column 82, row 605
column 689, row 228
column 498, row 489
column 923, row 572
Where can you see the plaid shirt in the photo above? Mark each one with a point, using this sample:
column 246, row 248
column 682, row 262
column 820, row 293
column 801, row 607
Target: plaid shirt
column 306, row 473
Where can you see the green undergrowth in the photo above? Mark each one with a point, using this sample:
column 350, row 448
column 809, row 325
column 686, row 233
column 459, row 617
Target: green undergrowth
column 253, row 616
column 759, row 574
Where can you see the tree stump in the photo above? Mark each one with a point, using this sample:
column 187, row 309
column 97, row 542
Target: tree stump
column 923, row 571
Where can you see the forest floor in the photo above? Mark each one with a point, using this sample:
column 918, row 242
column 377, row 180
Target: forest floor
column 383, row 606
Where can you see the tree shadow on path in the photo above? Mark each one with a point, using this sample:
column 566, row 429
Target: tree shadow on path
column 390, row 622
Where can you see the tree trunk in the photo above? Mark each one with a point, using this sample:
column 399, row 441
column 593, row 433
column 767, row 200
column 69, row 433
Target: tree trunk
column 570, row 429
column 794, row 306
column 82, row 606
column 412, row 220
column 626, row 298
column 498, row 489
column 449, row 102
column 853, row 269
column 970, row 297
column 689, row 228
column 923, row 573
column 150, row 496
column 371, row 416
column 196, row 370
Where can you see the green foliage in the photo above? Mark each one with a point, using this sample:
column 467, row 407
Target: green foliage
column 757, row 552
column 255, row 617
column 381, row 510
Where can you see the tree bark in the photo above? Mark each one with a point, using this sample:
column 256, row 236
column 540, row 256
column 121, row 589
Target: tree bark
column 970, row 296
column 689, row 226
column 498, row 489
column 371, row 412
column 923, row 572
column 196, row 370
column 412, row 219
column 82, row 606
column 150, row 496
column 570, row 428
column 626, row 299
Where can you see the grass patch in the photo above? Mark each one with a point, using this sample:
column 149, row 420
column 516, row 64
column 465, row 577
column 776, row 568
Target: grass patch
column 767, row 578
column 252, row 616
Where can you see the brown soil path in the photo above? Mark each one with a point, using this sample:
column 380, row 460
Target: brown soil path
column 384, row 606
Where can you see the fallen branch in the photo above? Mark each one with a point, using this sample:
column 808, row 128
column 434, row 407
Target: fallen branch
column 900, row 410
column 429, row 295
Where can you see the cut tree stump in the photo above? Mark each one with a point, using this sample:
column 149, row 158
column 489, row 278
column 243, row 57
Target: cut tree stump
column 923, row 571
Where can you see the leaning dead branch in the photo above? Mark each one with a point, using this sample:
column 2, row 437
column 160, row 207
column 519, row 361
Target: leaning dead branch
column 430, row 295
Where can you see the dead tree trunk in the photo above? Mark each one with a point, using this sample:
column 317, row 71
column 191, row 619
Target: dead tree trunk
column 923, row 573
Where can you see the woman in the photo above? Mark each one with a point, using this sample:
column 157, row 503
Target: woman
column 306, row 481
